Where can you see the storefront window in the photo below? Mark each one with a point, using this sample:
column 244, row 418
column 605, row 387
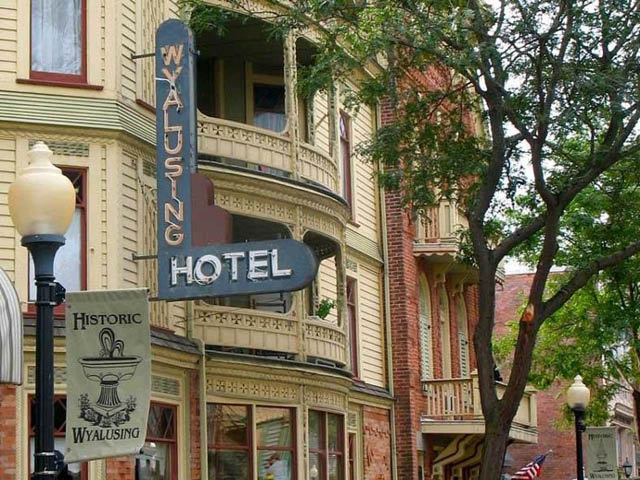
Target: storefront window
column 326, row 446
column 158, row 460
column 74, row 471
column 230, row 451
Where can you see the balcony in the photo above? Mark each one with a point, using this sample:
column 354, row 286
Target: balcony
column 266, row 151
column 452, row 406
column 437, row 230
column 278, row 334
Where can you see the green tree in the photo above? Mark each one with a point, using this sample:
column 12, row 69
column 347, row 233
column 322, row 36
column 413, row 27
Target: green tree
column 597, row 332
column 537, row 75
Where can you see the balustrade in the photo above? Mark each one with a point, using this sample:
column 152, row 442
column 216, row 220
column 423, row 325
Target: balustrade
column 265, row 150
column 459, row 399
column 276, row 332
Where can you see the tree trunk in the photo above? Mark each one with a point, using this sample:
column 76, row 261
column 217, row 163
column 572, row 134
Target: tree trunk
column 636, row 410
column 494, row 448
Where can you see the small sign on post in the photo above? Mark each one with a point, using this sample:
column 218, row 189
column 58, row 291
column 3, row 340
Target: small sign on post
column 108, row 373
column 601, row 453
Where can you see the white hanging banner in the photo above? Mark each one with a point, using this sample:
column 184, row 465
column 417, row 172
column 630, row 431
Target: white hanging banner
column 108, row 373
column 602, row 460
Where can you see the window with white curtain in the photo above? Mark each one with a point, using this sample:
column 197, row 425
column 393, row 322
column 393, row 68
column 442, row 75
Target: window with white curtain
column 57, row 38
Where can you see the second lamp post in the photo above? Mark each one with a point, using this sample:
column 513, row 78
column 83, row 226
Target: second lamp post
column 578, row 397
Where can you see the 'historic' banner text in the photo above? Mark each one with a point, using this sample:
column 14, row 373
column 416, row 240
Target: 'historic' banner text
column 108, row 373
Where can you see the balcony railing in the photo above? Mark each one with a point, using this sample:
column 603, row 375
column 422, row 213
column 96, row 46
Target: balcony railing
column 265, row 150
column 325, row 340
column 440, row 224
column 459, row 399
column 275, row 332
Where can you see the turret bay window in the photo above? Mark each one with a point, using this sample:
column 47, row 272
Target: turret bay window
column 231, row 431
column 58, row 40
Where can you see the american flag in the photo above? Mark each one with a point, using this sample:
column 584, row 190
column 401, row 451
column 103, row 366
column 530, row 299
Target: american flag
column 530, row 470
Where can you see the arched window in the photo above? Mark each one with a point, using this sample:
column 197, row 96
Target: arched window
column 426, row 347
column 463, row 335
column 445, row 330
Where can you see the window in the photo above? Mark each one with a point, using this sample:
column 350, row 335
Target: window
column 58, row 40
column 463, row 335
column 70, row 270
column 345, row 149
column 326, row 446
column 445, row 331
column 352, row 456
column 230, row 431
column 158, row 459
column 352, row 321
column 76, row 471
column 268, row 107
column 426, row 347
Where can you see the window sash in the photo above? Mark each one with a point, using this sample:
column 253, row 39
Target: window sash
column 75, row 247
column 323, row 452
column 58, row 40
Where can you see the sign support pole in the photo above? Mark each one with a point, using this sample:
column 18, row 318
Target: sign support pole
column 43, row 249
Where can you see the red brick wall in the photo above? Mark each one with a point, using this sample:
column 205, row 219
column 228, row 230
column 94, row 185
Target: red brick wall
column 561, row 463
column 405, row 335
column 194, row 427
column 377, row 444
column 7, row 432
column 120, row 468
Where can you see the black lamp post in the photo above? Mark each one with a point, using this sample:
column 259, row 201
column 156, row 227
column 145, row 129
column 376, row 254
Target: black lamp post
column 41, row 204
column 578, row 397
column 627, row 467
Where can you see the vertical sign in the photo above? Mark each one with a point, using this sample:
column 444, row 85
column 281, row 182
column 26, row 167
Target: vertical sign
column 108, row 373
column 602, row 460
column 185, row 271
column 176, row 148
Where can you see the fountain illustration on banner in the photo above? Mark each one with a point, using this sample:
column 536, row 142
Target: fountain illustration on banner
column 602, row 465
column 110, row 368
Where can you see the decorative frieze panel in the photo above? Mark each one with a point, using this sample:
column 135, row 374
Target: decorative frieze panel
column 61, row 147
column 250, row 204
column 59, row 375
column 250, row 388
column 323, row 398
column 319, row 222
column 165, row 385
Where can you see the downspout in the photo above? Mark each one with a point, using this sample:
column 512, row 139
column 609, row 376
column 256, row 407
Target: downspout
column 202, row 394
column 204, row 463
column 387, row 315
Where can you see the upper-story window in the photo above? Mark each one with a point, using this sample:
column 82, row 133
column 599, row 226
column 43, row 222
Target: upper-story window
column 58, row 40
column 69, row 268
column 268, row 107
column 345, row 152
column 426, row 330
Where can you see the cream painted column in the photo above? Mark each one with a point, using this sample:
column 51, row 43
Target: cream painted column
column 298, row 297
column 291, row 100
